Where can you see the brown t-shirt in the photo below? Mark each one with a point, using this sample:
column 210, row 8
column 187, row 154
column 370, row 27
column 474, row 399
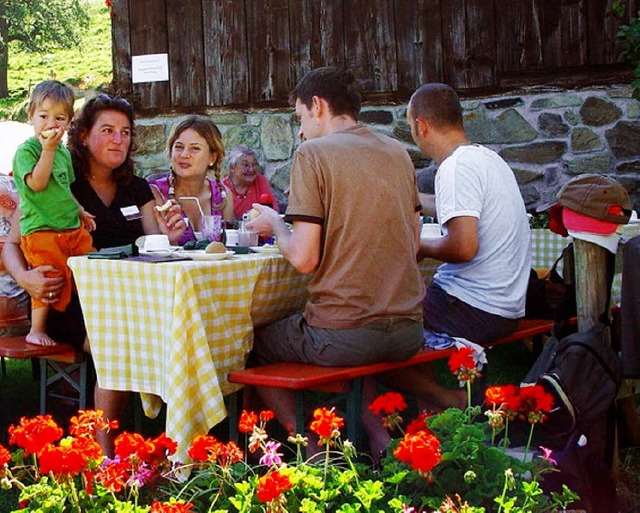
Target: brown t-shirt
column 361, row 186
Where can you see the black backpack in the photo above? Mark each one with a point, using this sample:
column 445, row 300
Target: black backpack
column 582, row 373
column 551, row 296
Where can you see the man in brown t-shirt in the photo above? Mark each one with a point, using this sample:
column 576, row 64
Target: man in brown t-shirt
column 354, row 207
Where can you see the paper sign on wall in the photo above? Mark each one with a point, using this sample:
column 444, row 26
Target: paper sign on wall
column 150, row 68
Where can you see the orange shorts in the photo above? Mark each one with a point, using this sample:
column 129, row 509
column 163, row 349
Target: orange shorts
column 53, row 248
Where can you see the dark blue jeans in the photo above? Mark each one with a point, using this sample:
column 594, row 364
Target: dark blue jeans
column 447, row 314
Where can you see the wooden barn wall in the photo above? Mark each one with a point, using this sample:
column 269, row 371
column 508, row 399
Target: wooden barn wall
column 252, row 52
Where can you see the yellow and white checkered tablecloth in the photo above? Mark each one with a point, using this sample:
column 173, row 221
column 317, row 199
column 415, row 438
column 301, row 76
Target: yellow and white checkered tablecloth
column 546, row 247
column 174, row 330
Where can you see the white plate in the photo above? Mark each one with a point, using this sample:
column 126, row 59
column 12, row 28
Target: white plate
column 160, row 252
column 263, row 249
column 201, row 254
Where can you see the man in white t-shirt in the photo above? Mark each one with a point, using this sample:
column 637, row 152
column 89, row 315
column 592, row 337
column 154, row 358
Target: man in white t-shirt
column 479, row 292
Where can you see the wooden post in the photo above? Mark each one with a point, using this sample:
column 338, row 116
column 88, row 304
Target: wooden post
column 592, row 292
column 592, row 287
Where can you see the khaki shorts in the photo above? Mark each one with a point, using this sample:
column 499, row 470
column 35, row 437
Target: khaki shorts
column 293, row 340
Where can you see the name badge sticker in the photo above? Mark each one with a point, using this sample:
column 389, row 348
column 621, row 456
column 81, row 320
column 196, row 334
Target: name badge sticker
column 131, row 213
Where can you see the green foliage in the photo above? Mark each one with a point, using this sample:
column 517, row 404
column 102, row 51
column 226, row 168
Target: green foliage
column 43, row 25
column 629, row 38
column 71, row 65
column 539, row 220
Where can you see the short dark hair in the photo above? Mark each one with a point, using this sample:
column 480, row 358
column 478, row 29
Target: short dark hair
column 82, row 125
column 55, row 91
column 438, row 104
column 340, row 89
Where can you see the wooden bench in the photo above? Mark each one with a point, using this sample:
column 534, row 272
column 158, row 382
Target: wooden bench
column 301, row 377
column 57, row 363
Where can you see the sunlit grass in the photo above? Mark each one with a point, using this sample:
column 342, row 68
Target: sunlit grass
column 88, row 66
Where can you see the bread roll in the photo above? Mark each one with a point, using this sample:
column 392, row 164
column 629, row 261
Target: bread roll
column 165, row 207
column 215, row 247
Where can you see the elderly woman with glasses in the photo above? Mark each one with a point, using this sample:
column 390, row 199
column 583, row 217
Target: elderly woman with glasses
column 247, row 184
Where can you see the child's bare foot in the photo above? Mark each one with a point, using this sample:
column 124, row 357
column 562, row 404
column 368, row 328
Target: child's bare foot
column 40, row 338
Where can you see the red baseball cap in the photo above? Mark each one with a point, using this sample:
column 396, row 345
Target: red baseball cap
column 573, row 220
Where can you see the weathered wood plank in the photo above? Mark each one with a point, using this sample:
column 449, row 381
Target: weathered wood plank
column 250, row 52
column 419, row 43
column 226, row 57
column 591, row 282
column 186, row 54
column 518, row 35
column 317, row 35
column 469, row 43
column 602, row 27
column 564, row 40
column 121, row 31
column 149, row 36
column 370, row 44
column 269, row 51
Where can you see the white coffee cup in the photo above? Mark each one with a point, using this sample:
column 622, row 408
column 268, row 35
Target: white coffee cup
column 157, row 242
column 232, row 237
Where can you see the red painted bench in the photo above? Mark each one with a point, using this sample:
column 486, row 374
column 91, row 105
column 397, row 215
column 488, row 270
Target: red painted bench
column 302, row 376
column 57, row 363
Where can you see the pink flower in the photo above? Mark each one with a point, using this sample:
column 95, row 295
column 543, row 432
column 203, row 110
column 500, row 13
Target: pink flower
column 547, row 456
column 271, row 455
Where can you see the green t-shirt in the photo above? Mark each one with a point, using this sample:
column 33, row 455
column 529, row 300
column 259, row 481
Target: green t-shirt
column 54, row 207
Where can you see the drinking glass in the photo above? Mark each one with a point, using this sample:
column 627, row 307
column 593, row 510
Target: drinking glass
column 211, row 227
column 246, row 237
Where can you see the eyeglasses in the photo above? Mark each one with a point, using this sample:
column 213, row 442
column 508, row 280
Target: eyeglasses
column 248, row 165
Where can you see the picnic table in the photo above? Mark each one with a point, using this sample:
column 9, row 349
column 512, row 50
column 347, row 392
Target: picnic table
column 173, row 331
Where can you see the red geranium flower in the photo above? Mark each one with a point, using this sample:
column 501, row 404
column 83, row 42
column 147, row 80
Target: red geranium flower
column 266, row 416
column 535, row 402
column 420, row 451
column 64, row 460
column 5, row 456
column 511, row 400
column 272, row 485
column 248, row 420
column 88, row 422
column 326, row 425
column 495, row 396
column 33, row 434
column 163, row 448
column 229, row 453
column 204, row 448
column 129, row 445
column 171, row 507
column 114, row 474
column 390, row 402
column 389, row 405
column 463, row 365
column 419, row 423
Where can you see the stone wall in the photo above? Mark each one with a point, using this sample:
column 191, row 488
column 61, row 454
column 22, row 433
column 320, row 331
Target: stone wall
column 546, row 137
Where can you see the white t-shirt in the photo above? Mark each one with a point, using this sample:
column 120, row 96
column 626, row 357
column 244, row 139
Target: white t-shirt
column 474, row 181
